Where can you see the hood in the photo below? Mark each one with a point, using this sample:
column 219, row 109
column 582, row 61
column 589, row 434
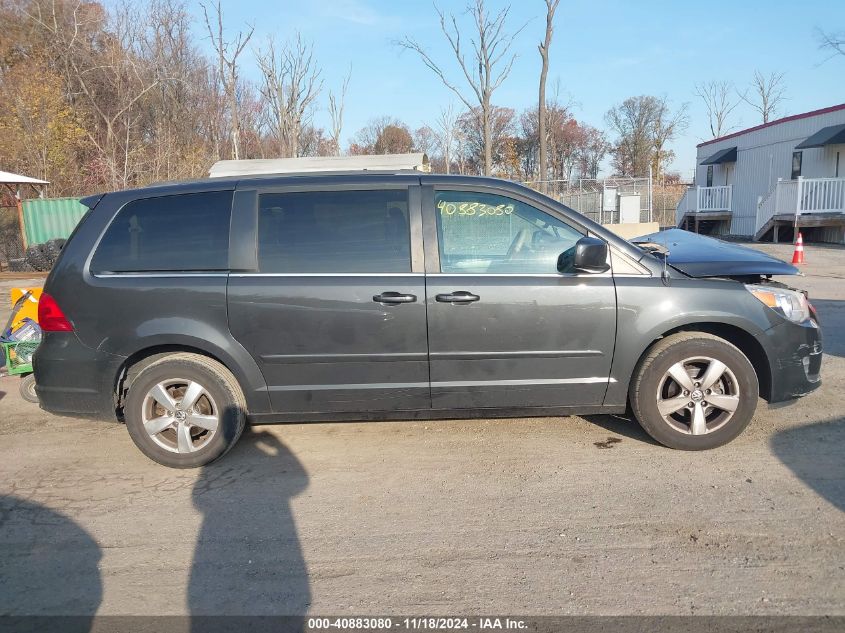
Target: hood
column 700, row 256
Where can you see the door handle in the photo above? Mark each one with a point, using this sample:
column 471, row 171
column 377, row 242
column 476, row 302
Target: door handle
column 394, row 297
column 459, row 296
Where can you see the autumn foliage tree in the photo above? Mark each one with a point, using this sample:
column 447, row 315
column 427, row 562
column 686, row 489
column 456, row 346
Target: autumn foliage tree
column 94, row 98
column 97, row 96
column 385, row 135
column 644, row 126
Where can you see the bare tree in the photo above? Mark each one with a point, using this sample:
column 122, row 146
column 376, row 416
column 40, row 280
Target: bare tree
column 489, row 65
column 178, row 113
column 718, row 98
column 832, row 42
column 336, row 105
column 665, row 127
column 593, row 151
column 227, row 68
column 551, row 7
column 447, row 124
column 644, row 126
column 767, row 94
column 501, row 130
column 425, row 140
column 291, row 83
column 109, row 77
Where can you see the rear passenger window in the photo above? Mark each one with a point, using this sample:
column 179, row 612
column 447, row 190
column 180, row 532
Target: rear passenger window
column 334, row 232
column 188, row 232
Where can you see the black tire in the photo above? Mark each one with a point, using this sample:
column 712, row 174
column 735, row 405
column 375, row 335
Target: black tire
column 27, row 388
column 53, row 248
column 223, row 393
column 19, row 265
column 651, row 377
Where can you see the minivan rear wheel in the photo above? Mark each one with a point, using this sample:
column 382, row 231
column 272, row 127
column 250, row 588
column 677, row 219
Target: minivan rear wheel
column 694, row 391
column 184, row 410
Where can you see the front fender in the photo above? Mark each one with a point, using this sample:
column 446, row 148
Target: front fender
column 647, row 309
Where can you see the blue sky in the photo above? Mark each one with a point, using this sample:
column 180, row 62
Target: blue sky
column 603, row 52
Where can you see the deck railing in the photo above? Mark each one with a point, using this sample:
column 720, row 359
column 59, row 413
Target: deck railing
column 804, row 195
column 714, row 198
column 821, row 195
column 702, row 199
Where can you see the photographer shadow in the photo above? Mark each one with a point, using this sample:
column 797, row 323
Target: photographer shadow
column 49, row 570
column 814, row 454
column 248, row 560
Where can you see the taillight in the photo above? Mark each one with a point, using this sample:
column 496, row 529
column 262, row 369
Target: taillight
column 50, row 315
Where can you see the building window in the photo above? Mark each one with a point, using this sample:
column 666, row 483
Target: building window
column 709, row 175
column 796, row 165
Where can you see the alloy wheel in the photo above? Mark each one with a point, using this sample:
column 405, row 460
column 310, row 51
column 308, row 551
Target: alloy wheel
column 180, row 415
column 698, row 395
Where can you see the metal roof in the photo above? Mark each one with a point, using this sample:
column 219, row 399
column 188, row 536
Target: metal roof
column 786, row 119
column 826, row 136
column 309, row 164
column 727, row 155
column 8, row 178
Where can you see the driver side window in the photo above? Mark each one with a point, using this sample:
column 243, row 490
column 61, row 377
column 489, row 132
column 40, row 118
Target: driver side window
column 489, row 233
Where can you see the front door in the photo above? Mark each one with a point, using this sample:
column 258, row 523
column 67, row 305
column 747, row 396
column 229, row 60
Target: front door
column 505, row 328
column 335, row 313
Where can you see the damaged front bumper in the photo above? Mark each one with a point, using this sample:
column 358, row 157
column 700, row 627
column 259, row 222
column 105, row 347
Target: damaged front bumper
column 795, row 359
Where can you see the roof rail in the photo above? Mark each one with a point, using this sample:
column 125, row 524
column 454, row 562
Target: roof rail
column 381, row 162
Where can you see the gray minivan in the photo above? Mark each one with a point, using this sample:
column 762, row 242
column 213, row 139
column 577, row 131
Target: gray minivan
column 190, row 309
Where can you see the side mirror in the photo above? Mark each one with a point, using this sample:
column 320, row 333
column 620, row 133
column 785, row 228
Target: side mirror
column 590, row 257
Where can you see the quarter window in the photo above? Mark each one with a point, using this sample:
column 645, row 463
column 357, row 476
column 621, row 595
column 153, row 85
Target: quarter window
column 188, row 232
column 487, row 233
column 334, row 232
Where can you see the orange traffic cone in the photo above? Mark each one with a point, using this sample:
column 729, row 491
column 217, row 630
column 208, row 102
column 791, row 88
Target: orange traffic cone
column 798, row 255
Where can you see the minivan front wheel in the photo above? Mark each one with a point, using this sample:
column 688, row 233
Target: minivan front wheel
column 184, row 410
column 694, row 391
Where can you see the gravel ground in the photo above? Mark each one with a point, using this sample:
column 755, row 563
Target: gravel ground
column 530, row 516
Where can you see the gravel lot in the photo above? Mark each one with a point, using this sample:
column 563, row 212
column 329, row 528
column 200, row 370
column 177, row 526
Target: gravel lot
column 530, row 516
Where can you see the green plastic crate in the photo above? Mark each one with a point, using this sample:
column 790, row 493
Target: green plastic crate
column 19, row 356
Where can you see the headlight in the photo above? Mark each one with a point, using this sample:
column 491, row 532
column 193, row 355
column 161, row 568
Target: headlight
column 790, row 304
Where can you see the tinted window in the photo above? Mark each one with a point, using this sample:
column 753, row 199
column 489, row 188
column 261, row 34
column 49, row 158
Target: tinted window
column 485, row 233
column 334, row 231
column 170, row 233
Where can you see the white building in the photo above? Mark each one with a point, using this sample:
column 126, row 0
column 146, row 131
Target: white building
column 762, row 181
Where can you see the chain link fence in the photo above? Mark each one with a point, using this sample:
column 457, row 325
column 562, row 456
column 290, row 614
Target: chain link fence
column 615, row 200
column 11, row 246
column 665, row 199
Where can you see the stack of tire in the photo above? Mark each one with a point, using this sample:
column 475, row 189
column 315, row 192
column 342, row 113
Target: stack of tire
column 38, row 257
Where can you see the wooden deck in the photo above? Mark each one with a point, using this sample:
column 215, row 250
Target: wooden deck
column 805, row 220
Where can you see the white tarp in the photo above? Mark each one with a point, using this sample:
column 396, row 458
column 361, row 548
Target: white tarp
column 8, row 178
column 381, row 162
